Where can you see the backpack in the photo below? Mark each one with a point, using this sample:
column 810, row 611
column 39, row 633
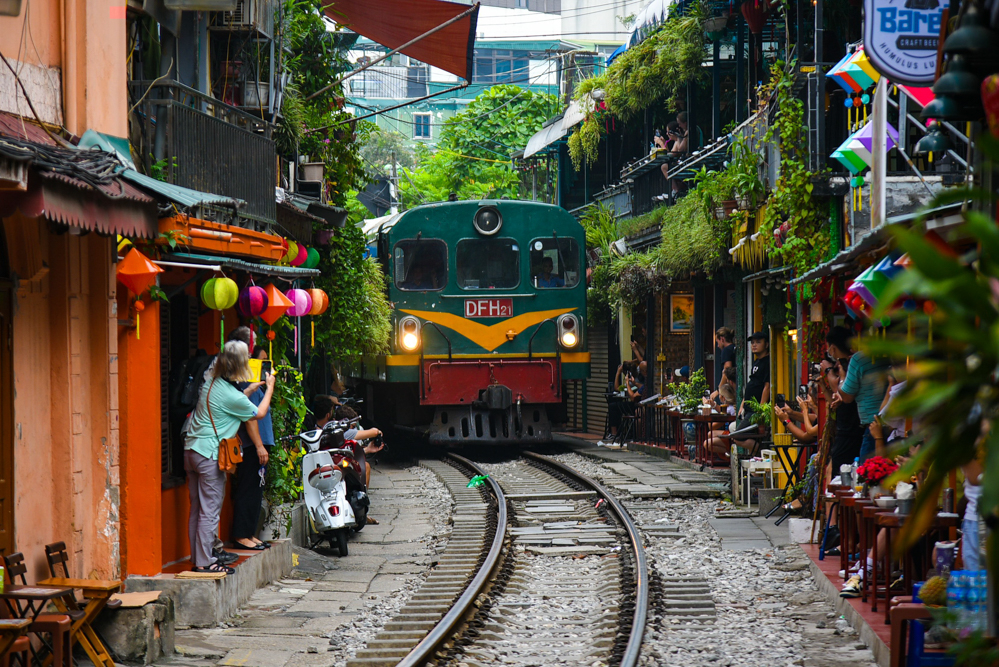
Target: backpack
column 187, row 385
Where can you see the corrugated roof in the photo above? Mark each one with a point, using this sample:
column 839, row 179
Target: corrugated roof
column 185, row 197
column 288, row 272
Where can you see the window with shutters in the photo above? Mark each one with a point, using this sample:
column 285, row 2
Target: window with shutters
column 178, row 343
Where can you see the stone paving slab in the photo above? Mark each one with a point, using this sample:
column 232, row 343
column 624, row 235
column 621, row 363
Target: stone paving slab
column 282, row 624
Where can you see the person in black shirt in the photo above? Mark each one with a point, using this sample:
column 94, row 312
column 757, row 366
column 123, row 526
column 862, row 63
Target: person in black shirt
column 849, row 432
column 724, row 350
column 758, row 385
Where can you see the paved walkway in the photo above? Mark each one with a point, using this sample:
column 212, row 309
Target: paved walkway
column 287, row 623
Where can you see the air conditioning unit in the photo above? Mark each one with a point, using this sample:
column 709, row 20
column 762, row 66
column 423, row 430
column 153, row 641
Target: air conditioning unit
column 248, row 14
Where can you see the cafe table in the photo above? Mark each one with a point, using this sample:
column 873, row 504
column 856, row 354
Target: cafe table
column 37, row 597
column 97, row 593
column 11, row 629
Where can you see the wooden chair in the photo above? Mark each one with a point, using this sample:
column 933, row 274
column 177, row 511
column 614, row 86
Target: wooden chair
column 58, row 626
column 58, row 560
column 13, row 641
column 96, row 597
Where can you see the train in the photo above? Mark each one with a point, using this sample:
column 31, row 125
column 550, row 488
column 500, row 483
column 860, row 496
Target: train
column 488, row 322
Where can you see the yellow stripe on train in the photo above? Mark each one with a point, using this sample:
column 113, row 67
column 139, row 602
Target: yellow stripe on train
column 488, row 337
column 414, row 359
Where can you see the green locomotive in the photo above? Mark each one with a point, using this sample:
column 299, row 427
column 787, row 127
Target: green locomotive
column 489, row 303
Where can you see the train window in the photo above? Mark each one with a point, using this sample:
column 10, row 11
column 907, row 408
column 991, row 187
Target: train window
column 488, row 263
column 420, row 265
column 554, row 262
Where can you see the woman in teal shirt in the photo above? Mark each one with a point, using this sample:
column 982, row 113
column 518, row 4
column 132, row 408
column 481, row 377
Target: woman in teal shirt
column 228, row 407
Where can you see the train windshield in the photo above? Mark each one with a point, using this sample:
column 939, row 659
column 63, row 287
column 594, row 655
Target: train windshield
column 488, row 263
column 420, row 265
column 554, row 262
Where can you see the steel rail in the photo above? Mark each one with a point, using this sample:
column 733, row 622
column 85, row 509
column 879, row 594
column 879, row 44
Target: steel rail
column 634, row 648
column 446, row 627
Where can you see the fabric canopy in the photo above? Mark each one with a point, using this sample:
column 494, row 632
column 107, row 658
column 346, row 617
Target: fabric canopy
column 392, row 23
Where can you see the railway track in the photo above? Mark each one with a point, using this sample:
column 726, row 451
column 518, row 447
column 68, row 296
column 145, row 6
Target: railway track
column 543, row 566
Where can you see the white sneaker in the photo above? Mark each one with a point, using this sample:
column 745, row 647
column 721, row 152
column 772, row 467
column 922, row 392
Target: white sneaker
column 855, row 570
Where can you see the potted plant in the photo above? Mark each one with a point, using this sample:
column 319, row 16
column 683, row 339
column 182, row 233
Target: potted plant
column 745, row 174
column 715, row 188
column 874, row 471
column 256, row 86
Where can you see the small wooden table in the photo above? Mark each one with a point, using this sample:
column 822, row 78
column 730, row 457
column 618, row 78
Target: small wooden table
column 37, row 597
column 97, row 593
column 11, row 629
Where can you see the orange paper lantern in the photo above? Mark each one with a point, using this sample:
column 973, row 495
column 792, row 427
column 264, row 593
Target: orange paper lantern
column 277, row 304
column 137, row 272
column 320, row 302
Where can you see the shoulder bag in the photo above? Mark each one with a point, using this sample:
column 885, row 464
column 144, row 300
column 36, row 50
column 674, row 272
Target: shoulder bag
column 230, row 449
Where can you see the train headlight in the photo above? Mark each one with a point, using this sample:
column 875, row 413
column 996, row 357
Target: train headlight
column 409, row 333
column 487, row 220
column 568, row 330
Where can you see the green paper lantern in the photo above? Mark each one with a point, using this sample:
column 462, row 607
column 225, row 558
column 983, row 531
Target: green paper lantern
column 312, row 261
column 219, row 293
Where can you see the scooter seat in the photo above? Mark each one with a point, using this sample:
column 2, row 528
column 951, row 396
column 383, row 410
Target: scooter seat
column 320, row 471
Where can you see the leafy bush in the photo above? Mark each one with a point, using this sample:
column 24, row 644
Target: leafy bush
column 689, row 393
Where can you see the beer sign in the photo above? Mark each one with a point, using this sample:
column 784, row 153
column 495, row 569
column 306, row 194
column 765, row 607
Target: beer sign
column 901, row 37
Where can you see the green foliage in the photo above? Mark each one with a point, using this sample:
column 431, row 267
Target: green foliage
column 291, row 124
column 160, row 169
column 601, row 227
column 808, row 238
column 951, row 392
column 472, row 154
column 691, row 393
column 288, row 411
column 761, row 414
column 598, row 304
column 691, row 243
column 653, row 73
column 358, row 320
column 380, row 145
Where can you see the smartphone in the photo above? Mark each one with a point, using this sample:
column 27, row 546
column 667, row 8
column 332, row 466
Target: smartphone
column 259, row 369
column 707, row 394
column 780, row 401
column 802, row 391
column 658, row 134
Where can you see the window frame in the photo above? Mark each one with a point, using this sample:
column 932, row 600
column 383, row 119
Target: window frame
column 447, row 267
column 581, row 261
column 417, row 125
column 487, row 290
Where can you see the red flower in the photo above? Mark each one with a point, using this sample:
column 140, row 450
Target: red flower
column 876, row 469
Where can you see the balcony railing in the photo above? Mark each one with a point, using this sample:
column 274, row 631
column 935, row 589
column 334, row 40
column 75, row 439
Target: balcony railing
column 204, row 144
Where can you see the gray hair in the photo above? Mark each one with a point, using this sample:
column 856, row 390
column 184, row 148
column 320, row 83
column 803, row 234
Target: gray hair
column 233, row 362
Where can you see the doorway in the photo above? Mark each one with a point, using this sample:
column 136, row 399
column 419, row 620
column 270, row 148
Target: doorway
column 6, row 403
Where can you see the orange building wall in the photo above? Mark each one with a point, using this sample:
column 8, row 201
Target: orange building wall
column 82, row 38
column 139, row 392
column 66, row 473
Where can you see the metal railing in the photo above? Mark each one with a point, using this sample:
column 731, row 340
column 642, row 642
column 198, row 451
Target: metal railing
column 204, row 144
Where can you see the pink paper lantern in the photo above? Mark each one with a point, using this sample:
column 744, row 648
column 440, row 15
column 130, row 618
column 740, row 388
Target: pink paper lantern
column 252, row 301
column 303, row 254
column 301, row 302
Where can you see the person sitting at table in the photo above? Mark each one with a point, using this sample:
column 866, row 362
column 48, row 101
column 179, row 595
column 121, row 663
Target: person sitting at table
column 631, row 389
column 809, row 430
column 718, row 441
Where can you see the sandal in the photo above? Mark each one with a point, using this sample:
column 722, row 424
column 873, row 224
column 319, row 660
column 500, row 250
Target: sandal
column 371, row 522
column 214, row 568
column 255, row 547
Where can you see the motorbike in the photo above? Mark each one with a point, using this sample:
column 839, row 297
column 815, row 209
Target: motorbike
column 333, row 484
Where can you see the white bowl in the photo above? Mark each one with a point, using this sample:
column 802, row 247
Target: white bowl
column 886, row 502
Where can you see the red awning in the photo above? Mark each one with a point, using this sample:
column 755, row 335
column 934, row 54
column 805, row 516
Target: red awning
column 392, row 23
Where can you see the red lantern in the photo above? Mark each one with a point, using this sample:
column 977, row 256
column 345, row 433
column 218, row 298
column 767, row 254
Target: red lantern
column 755, row 13
column 252, row 301
column 137, row 272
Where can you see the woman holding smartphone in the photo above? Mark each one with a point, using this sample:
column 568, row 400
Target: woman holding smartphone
column 251, row 472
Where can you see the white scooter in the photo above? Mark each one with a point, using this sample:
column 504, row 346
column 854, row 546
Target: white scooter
column 330, row 513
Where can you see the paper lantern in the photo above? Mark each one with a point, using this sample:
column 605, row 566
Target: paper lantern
column 301, row 302
column 252, row 301
column 844, row 80
column 291, row 254
column 855, row 152
column 755, row 13
column 888, row 268
column 875, row 283
column 219, row 293
column 300, row 258
column 137, row 272
column 320, row 302
column 904, row 261
column 312, row 261
column 277, row 304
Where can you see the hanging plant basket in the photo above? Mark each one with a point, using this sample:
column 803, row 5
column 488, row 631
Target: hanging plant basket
column 725, row 209
column 744, row 203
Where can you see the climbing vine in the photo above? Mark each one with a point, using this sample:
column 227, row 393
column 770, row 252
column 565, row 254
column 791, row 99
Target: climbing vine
column 654, row 72
column 800, row 228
